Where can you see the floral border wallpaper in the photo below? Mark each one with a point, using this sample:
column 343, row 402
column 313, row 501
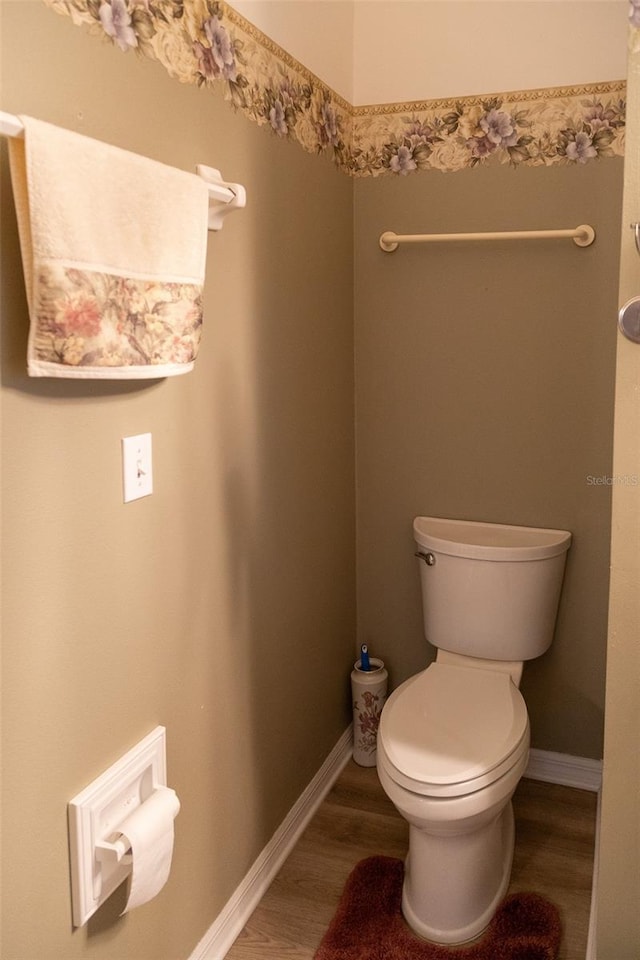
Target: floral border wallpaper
column 572, row 125
column 206, row 42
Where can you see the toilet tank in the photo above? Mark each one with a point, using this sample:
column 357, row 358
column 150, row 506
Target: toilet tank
column 490, row 590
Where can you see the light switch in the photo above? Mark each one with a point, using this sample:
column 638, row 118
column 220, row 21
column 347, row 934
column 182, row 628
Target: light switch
column 137, row 467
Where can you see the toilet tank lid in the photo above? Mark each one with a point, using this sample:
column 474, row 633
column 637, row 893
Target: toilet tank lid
column 489, row 541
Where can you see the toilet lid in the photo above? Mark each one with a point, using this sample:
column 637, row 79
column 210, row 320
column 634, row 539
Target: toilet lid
column 451, row 725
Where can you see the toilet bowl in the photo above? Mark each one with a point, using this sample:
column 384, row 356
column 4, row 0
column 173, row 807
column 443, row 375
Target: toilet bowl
column 452, row 746
column 453, row 741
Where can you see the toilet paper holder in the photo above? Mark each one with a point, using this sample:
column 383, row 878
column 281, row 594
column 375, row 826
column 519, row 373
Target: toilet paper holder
column 118, row 850
column 100, row 856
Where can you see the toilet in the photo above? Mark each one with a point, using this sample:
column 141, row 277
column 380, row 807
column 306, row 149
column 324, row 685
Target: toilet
column 453, row 740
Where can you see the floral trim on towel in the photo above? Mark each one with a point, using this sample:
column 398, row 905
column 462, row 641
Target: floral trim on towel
column 206, row 42
column 90, row 319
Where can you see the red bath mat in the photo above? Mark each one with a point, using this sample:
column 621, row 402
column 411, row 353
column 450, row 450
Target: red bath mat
column 368, row 924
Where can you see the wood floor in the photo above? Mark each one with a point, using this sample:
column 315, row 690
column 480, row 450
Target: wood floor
column 555, row 830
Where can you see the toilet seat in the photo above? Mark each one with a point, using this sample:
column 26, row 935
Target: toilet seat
column 452, row 730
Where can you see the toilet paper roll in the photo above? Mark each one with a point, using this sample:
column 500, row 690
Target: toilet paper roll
column 149, row 831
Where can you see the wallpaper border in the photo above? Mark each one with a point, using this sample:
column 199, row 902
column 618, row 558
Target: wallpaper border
column 207, row 42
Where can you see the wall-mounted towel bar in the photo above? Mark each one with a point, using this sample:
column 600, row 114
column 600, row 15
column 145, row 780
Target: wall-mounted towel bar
column 10, row 126
column 223, row 197
column 583, row 236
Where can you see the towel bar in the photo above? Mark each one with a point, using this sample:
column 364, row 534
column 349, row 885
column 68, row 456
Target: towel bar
column 223, row 197
column 582, row 236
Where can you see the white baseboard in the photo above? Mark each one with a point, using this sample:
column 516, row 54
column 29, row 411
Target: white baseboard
column 222, row 933
column 565, row 770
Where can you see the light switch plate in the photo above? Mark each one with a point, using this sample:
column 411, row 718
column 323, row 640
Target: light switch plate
column 137, row 467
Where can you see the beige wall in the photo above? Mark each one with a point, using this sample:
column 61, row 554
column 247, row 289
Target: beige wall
column 302, row 27
column 376, row 52
column 409, row 51
column 484, row 390
column 619, row 873
column 223, row 605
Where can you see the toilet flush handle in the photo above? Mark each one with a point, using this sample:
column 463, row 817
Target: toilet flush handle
column 428, row 558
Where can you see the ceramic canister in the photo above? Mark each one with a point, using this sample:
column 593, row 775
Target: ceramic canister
column 368, row 693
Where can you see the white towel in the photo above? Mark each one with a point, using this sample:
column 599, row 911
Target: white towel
column 113, row 250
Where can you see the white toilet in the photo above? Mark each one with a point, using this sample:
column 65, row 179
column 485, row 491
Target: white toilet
column 453, row 741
